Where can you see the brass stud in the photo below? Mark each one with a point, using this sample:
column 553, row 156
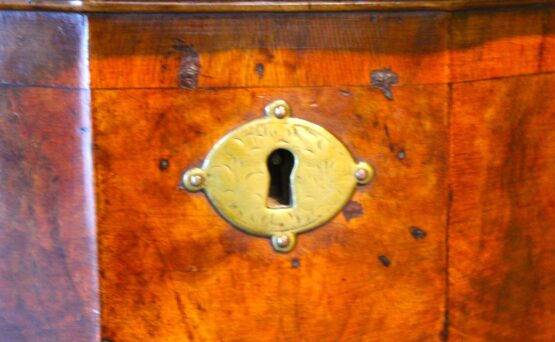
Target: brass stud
column 283, row 242
column 361, row 174
column 278, row 109
column 196, row 180
column 280, row 112
column 364, row 173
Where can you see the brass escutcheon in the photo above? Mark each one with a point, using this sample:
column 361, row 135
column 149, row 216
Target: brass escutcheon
column 278, row 176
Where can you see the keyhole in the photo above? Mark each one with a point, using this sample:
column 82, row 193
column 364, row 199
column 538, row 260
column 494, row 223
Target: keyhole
column 280, row 165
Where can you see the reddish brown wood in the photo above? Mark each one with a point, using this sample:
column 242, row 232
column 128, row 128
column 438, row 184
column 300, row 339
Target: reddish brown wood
column 263, row 50
column 291, row 49
column 48, row 288
column 45, row 49
column 173, row 269
column 501, row 237
column 548, row 51
column 204, row 6
column 491, row 44
column 238, row 54
column 48, row 280
column 451, row 241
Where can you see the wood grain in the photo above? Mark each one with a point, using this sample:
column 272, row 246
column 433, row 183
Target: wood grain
column 501, row 43
column 48, row 266
column 43, row 49
column 204, row 6
column 548, row 51
column 283, row 50
column 501, row 238
column 451, row 241
column 267, row 50
column 177, row 278
column 48, row 287
column 173, row 269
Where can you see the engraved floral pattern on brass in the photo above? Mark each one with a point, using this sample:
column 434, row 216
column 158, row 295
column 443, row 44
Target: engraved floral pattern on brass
column 236, row 179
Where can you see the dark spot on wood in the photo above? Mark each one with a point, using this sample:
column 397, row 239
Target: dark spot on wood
column 383, row 79
column 189, row 68
column 192, row 269
column 163, row 164
column 352, row 209
column 384, row 260
column 260, row 70
column 295, row 263
column 200, row 308
column 401, row 154
column 417, row 233
column 345, row 92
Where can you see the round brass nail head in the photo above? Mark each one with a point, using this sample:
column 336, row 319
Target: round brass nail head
column 197, row 180
column 194, row 179
column 282, row 241
column 361, row 174
column 280, row 112
column 364, row 173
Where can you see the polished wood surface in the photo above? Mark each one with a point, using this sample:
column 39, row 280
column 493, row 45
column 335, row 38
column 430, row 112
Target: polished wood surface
column 43, row 49
column 222, row 6
column 451, row 241
column 175, row 266
column 492, row 44
column 266, row 50
column 244, row 56
column 501, row 241
column 172, row 268
column 291, row 49
column 48, row 266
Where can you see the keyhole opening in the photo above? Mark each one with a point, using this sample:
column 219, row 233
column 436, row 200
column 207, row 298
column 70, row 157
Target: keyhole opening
column 280, row 165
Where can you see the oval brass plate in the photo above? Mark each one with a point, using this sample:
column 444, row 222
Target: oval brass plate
column 235, row 176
